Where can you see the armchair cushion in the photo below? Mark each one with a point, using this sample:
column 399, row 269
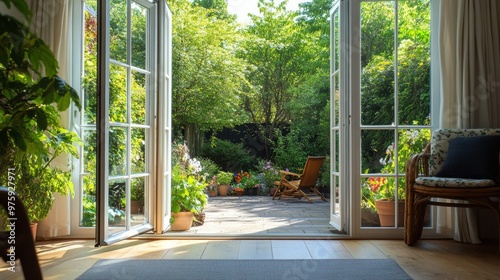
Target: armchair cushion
column 454, row 182
column 472, row 158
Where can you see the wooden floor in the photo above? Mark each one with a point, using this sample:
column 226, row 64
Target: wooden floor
column 429, row 259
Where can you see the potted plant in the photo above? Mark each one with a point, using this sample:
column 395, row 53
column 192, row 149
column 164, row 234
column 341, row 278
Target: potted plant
column 223, row 180
column 212, row 187
column 270, row 175
column 251, row 184
column 188, row 198
column 31, row 99
column 137, row 198
column 188, row 189
column 382, row 190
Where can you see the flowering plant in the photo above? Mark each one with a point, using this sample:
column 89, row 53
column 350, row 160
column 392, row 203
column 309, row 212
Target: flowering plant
column 188, row 184
column 269, row 173
column 411, row 141
column 212, row 185
column 246, row 181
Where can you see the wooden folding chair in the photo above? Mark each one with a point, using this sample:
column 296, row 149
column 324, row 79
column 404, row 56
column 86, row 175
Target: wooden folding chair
column 293, row 184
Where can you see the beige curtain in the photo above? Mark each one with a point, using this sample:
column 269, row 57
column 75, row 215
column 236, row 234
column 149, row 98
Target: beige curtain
column 51, row 22
column 470, row 80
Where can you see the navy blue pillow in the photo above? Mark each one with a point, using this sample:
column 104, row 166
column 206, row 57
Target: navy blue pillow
column 474, row 157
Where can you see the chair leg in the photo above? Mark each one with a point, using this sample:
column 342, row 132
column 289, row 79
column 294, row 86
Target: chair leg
column 419, row 219
column 278, row 188
column 319, row 193
column 303, row 194
column 409, row 217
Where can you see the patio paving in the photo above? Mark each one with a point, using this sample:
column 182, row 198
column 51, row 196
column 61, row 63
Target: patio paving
column 262, row 217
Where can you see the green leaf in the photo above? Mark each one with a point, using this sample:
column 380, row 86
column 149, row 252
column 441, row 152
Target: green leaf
column 18, row 139
column 41, row 119
column 64, row 102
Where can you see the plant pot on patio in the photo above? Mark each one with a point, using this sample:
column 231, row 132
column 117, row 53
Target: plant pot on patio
column 222, row 189
column 182, row 221
column 239, row 191
column 386, row 212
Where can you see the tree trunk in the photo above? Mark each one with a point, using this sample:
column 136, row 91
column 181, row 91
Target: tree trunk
column 194, row 139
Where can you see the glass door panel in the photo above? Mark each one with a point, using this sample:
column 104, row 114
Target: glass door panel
column 392, row 102
column 337, row 121
column 126, row 153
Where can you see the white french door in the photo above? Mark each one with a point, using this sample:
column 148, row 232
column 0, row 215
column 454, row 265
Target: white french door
column 132, row 120
column 338, row 119
column 380, row 103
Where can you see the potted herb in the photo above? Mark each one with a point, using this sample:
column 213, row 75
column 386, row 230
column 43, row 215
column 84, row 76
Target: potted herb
column 31, row 99
column 223, row 180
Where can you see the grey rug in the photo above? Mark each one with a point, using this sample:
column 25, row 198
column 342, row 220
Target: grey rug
column 244, row 269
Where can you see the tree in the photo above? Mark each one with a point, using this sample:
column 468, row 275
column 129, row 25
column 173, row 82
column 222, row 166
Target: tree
column 378, row 76
column 208, row 78
column 273, row 46
column 218, row 8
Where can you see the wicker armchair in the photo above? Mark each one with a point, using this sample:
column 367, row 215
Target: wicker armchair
column 429, row 175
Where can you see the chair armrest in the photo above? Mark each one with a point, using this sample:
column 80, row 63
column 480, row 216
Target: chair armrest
column 288, row 173
column 417, row 165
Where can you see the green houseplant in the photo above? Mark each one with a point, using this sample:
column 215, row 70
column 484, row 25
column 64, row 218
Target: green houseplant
column 31, row 99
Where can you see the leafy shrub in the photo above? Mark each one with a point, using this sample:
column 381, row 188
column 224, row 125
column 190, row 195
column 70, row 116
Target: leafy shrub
column 229, row 156
column 289, row 151
column 208, row 167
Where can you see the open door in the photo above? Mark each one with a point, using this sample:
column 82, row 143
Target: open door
column 164, row 166
column 133, row 132
column 338, row 120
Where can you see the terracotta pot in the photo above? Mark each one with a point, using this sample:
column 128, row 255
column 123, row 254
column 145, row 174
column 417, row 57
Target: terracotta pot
column 223, row 189
column 239, row 191
column 135, row 207
column 182, row 221
column 386, row 212
column 34, row 227
column 213, row 193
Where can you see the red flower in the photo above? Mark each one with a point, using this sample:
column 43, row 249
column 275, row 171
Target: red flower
column 376, row 183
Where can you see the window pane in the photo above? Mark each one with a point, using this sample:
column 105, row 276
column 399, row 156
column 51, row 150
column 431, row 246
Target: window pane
column 139, row 39
column 414, row 62
column 138, row 160
column 118, row 31
column 89, row 78
column 377, row 151
column 89, row 201
column 336, row 40
column 116, row 203
column 336, row 99
column 117, row 151
column 89, row 151
column 377, row 62
column 118, row 94
column 138, row 197
column 138, row 97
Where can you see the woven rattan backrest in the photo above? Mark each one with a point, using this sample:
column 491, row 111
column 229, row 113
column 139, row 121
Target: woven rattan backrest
column 440, row 139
